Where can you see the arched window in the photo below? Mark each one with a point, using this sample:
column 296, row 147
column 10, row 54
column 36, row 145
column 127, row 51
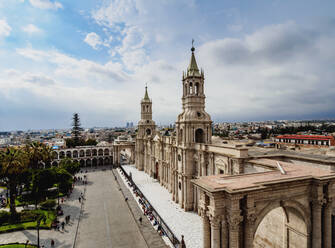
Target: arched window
column 191, row 88
column 199, row 136
column 148, row 131
column 196, row 90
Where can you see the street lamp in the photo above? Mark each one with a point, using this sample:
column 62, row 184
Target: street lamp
column 39, row 219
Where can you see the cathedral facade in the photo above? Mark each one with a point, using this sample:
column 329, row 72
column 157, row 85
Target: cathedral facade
column 175, row 160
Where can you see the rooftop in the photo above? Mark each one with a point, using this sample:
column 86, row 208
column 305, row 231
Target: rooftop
column 255, row 181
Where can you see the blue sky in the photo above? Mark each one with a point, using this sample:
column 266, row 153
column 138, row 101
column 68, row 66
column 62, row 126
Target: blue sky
column 262, row 59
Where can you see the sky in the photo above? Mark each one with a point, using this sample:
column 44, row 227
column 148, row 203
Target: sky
column 263, row 60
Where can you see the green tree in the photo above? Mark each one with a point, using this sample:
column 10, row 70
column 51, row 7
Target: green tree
column 13, row 162
column 76, row 129
column 42, row 180
column 40, row 155
column 70, row 166
column 63, row 179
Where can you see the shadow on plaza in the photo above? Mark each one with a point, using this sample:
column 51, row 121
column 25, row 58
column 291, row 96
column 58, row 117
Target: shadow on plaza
column 45, row 241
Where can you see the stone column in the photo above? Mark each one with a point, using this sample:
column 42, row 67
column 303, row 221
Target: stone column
column 316, row 211
column 215, row 232
column 234, row 229
column 224, row 232
column 249, row 229
column 327, row 221
column 206, row 230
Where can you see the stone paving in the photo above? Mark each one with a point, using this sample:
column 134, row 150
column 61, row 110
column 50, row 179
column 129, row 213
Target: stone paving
column 107, row 221
column 149, row 233
column 62, row 239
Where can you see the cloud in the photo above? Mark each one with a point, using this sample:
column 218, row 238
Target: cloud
column 5, row 29
column 31, row 29
column 279, row 71
column 93, row 40
column 46, row 4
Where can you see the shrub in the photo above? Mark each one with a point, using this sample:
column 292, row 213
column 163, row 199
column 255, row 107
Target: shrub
column 4, row 217
column 27, row 216
column 48, row 204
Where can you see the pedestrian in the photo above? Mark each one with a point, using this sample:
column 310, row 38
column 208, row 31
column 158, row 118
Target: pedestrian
column 79, row 199
column 126, row 199
column 52, row 243
column 140, row 219
column 63, row 224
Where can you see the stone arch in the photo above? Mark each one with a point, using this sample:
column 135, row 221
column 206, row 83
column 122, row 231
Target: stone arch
column 55, row 155
column 196, row 88
column 191, row 88
column 100, row 161
column 88, row 153
column 82, row 163
column 106, row 161
column 81, row 153
column 54, row 163
column 75, row 154
column 61, row 154
column 199, row 136
column 94, row 152
column 106, row 152
column 68, row 154
column 101, row 152
column 295, row 215
column 88, row 162
column 94, row 162
column 148, row 131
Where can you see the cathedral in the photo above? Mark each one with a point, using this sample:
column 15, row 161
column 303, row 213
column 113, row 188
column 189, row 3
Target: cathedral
column 239, row 195
column 175, row 160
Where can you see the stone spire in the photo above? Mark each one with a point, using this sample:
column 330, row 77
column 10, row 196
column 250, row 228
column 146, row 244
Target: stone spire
column 193, row 69
column 146, row 95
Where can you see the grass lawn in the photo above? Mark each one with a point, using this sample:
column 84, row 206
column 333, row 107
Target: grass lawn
column 50, row 216
column 17, row 246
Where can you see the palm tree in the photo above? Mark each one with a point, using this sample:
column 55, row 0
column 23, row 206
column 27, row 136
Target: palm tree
column 14, row 162
column 40, row 155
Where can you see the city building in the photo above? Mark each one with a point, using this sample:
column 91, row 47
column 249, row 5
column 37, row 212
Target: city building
column 305, row 140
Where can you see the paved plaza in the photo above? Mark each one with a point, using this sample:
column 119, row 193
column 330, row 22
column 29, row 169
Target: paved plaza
column 62, row 239
column 107, row 219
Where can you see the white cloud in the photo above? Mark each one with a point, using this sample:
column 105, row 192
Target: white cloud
column 31, row 29
column 93, row 40
column 5, row 29
column 46, row 4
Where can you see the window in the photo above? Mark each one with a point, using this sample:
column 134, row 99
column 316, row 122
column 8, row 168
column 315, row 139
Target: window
column 221, row 171
column 179, row 185
column 196, row 90
column 148, row 131
column 199, row 136
column 191, row 88
column 179, row 157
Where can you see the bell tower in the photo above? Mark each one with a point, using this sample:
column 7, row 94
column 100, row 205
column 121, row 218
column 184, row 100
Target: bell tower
column 146, row 129
column 194, row 123
column 193, row 126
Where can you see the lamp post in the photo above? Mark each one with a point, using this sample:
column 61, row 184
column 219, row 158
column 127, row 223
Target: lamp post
column 39, row 219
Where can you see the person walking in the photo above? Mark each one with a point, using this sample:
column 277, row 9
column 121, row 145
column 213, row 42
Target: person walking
column 140, row 220
column 52, row 243
column 63, row 225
